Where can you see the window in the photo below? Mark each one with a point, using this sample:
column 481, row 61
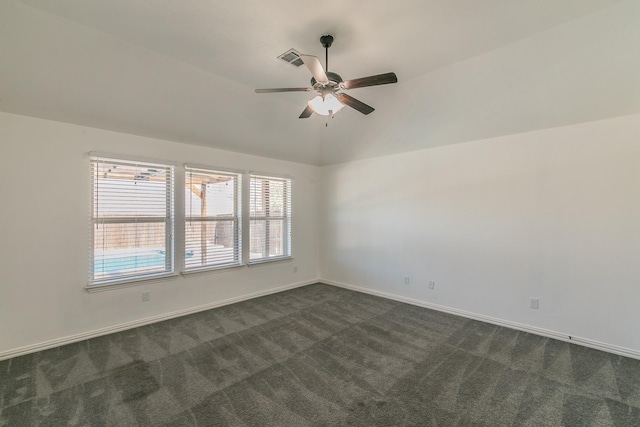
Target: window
column 270, row 218
column 212, row 220
column 131, row 219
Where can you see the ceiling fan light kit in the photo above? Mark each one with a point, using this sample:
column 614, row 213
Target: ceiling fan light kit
column 330, row 86
column 325, row 106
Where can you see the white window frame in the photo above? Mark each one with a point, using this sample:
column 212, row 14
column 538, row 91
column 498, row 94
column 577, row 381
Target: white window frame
column 236, row 219
column 285, row 217
column 168, row 219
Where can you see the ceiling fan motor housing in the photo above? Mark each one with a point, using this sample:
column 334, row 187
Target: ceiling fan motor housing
column 334, row 83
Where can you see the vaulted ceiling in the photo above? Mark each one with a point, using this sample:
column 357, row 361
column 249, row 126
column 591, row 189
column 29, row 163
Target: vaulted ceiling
column 186, row 70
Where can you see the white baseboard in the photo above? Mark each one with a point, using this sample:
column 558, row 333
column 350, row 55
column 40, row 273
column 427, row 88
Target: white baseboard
column 610, row 348
column 148, row 320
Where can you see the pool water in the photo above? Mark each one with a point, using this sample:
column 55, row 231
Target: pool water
column 149, row 261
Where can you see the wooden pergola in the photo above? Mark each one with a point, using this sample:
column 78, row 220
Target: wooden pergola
column 194, row 181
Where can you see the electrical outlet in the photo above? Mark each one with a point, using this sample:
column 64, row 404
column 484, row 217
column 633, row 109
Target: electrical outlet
column 146, row 296
column 432, row 284
column 406, row 280
column 535, row 303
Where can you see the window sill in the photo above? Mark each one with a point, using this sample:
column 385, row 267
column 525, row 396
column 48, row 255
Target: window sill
column 269, row 260
column 125, row 283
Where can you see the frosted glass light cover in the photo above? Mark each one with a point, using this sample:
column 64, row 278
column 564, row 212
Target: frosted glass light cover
column 324, row 105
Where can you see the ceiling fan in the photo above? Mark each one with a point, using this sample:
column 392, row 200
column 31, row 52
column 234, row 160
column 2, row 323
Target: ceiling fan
column 330, row 86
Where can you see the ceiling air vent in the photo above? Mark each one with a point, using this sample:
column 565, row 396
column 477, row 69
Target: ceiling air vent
column 292, row 57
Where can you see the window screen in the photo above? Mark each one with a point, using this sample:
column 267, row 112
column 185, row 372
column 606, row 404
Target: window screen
column 212, row 220
column 131, row 219
column 270, row 218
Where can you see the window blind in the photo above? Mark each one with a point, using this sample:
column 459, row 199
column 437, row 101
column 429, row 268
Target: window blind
column 131, row 219
column 212, row 219
column 269, row 218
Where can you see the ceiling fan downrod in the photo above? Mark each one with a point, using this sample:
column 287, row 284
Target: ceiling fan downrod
column 327, row 41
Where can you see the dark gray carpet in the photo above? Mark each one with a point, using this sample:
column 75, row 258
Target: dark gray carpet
column 320, row 355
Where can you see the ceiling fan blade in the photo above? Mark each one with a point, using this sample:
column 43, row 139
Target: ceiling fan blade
column 285, row 89
column 354, row 103
column 314, row 65
column 380, row 79
column 306, row 113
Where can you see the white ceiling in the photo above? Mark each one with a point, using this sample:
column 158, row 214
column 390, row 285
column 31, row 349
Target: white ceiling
column 185, row 70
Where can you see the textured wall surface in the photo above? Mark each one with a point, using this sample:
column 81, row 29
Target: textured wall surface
column 550, row 214
column 45, row 233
